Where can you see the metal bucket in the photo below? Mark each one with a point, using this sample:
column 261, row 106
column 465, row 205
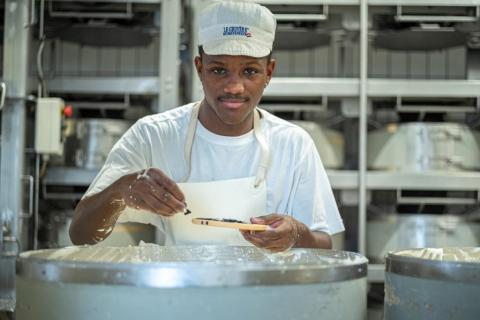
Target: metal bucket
column 197, row 282
column 433, row 283
column 396, row 232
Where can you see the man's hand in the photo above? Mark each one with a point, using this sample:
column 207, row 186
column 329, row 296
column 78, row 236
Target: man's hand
column 151, row 190
column 283, row 234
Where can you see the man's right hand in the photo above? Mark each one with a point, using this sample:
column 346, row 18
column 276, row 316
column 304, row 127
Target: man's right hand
column 151, row 190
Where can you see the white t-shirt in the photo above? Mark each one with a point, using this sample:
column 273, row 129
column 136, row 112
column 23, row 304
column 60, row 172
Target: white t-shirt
column 297, row 184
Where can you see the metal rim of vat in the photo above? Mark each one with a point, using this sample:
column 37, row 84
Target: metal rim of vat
column 183, row 275
column 454, row 271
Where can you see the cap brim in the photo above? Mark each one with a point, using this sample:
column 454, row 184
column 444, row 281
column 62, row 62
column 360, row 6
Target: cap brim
column 237, row 47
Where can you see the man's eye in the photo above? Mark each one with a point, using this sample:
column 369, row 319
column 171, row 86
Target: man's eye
column 250, row 71
column 218, row 71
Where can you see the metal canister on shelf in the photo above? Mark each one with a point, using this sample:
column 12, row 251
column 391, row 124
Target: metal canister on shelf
column 433, row 283
column 96, row 138
column 423, row 147
column 191, row 282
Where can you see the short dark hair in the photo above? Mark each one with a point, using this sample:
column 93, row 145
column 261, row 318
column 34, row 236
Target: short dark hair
column 201, row 53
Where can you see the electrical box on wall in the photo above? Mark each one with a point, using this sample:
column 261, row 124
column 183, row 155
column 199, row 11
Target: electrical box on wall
column 48, row 126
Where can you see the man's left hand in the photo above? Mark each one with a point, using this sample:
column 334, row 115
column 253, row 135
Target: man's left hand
column 283, row 234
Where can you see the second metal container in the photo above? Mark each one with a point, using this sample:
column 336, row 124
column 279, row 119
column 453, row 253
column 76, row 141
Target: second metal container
column 433, row 284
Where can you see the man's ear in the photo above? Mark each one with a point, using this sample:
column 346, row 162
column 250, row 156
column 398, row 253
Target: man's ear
column 198, row 66
column 271, row 68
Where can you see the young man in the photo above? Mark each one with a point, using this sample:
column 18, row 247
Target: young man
column 223, row 156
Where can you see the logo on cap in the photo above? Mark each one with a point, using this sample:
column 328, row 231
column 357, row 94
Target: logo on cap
column 236, row 31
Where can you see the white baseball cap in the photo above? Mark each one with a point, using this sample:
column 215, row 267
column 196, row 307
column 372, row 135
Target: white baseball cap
column 237, row 28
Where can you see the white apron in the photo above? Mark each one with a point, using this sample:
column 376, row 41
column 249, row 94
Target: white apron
column 238, row 199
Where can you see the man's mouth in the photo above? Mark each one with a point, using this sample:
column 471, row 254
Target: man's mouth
column 232, row 103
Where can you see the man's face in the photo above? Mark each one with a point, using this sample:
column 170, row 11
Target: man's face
column 233, row 86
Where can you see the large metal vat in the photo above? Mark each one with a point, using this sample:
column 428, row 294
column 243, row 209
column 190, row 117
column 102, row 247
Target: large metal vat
column 202, row 282
column 433, row 283
column 419, row 147
column 404, row 231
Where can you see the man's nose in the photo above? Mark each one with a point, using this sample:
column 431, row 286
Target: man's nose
column 234, row 85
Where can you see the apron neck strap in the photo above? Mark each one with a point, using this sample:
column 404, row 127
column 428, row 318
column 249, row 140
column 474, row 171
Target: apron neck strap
column 257, row 129
column 265, row 151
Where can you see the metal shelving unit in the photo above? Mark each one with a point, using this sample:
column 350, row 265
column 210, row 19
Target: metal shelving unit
column 336, row 87
column 386, row 180
column 151, row 70
column 436, row 80
column 107, row 85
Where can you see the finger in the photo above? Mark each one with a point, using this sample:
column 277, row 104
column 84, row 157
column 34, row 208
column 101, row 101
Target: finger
column 165, row 182
column 164, row 196
column 139, row 200
column 268, row 235
column 262, row 241
column 268, row 219
column 255, row 241
column 270, row 239
column 168, row 199
column 158, row 206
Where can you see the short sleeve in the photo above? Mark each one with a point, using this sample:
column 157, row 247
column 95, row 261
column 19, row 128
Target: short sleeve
column 313, row 202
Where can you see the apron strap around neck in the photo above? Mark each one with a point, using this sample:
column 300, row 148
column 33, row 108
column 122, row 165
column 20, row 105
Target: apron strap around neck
column 257, row 129
column 192, row 126
column 265, row 150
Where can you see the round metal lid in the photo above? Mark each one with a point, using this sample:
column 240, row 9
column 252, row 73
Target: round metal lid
column 460, row 264
column 189, row 266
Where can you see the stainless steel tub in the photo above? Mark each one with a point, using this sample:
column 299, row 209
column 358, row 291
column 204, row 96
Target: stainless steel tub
column 395, row 232
column 433, row 283
column 204, row 282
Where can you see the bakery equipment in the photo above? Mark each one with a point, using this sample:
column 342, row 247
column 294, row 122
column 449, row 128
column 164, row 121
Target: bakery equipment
column 200, row 282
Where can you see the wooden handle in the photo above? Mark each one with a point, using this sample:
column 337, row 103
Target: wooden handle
column 234, row 225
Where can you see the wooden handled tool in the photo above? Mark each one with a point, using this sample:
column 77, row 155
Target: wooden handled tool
column 229, row 223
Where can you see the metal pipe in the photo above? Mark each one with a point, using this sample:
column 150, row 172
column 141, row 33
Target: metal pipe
column 362, row 148
column 15, row 66
column 3, row 87
column 170, row 20
column 37, row 198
